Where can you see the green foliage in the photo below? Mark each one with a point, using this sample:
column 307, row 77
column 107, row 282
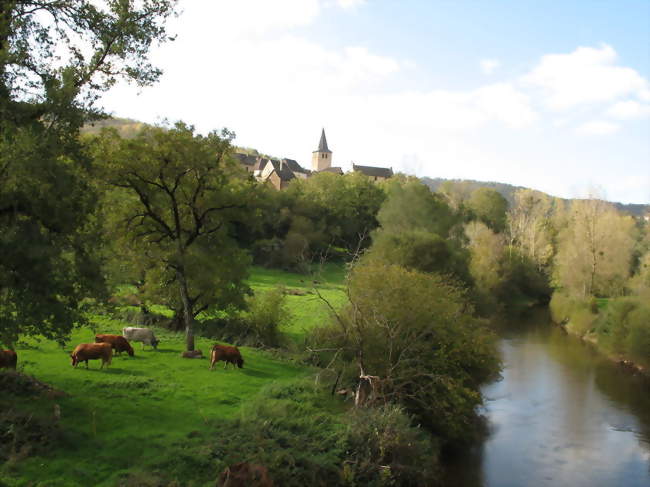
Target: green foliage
column 412, row 206
column 267, row 312
column 55, row 60
column 422, row 251
column 325, row 216
column 594, row 250
column 579, row 314
column 489, row 207
column 638, row 339
column 624, row 328
column 172, row 198
column 384, row 449
column 416, row 332
column 288, row 430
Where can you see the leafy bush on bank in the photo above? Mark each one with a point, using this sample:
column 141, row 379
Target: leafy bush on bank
column 294, row 431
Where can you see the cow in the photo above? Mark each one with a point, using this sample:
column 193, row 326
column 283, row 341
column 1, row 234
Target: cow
column 8, row 359
column 90, row 351
column 230, row 355
column 118, row 342
column 144, row 335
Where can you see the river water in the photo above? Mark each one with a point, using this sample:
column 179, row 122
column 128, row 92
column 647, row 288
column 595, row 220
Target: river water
column 562, row 415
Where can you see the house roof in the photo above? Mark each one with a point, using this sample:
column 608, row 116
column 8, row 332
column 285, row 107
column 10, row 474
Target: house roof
column 245, row 159
column 372, row 171
column 335, row 170
column 283, row 170
column 322, row 145
column 294, row 166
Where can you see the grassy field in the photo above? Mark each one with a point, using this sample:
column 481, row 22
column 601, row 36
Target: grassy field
column 307, row 310
column 151, row 412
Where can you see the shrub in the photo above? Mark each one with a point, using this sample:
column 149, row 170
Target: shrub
column 287, row 430
column 384, row 448
column 579, row 314
column 266, row 312
column 638, row 340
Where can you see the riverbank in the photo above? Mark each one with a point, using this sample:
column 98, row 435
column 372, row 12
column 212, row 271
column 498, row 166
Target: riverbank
column 617, row 328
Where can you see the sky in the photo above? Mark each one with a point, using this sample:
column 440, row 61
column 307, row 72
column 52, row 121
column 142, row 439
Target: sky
column 550, row 95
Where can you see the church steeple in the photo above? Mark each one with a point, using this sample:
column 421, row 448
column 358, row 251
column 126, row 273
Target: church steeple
column 322, row 145
column 322, row 157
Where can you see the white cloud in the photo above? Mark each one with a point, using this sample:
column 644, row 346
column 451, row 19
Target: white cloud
column 350, row 4
column 246, row 18
column 488, row 66
column 586, row 75
column 629, row 110
column 597, row 127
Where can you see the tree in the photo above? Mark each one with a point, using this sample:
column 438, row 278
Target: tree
column 595, row 249
column 177, row 196
column 529, row 225
column 489, row 207
column 56, row 58
column 415, row 336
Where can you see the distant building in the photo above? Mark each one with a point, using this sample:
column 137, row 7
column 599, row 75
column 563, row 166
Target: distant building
column 374, row 173
column 279, row 173
column 246, row 160
column 321, row 158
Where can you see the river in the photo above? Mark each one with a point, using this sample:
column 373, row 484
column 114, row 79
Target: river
column 561, row 415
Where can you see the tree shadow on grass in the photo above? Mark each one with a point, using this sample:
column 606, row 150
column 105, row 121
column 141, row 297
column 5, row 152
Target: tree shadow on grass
column 255, row 373
column 111, row 370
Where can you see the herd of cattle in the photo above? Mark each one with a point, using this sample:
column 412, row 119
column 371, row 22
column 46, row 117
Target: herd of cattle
column 105, row 345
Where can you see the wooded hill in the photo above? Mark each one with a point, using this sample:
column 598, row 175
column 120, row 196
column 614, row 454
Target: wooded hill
column 508, row 191
column 128, row 128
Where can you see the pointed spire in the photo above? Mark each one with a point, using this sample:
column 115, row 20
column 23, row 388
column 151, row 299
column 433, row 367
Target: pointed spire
column 322, row 145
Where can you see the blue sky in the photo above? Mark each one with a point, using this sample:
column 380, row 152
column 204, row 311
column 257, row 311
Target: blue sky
column 551, row 95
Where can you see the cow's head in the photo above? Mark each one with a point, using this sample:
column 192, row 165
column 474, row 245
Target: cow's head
column 130, row 351
column 74, row 359
column 154, row 343
column 240, row 363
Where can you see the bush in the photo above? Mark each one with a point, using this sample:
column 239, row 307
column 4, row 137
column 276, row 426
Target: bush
column 287, row 430
column 579, row 314
column 384, row 448
column 266, row 312
column 638, row 340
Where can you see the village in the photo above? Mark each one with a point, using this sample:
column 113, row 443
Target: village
column 280, row 172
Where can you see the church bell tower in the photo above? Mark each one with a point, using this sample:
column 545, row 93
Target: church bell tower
column 322, row 157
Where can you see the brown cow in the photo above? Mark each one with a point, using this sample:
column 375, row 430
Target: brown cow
column 118, row 342
column 90, row 351
column 245, row 474
column 8, row 359
column 230, row 355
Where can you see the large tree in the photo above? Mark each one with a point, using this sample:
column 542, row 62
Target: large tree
column 176, row 197
column 56, row 58
column 595, row 249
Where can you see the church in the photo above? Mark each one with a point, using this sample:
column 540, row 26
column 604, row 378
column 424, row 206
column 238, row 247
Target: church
column 280, row 172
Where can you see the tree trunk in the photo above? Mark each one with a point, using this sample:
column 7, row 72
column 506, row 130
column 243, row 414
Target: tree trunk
column 187, row 310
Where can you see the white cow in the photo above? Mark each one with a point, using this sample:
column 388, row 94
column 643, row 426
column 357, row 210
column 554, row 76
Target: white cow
column 144, row 335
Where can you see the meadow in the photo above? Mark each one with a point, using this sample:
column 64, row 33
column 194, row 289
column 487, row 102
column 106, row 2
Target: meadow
column 149, row 413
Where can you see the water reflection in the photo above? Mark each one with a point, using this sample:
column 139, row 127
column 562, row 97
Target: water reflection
column 561, row 415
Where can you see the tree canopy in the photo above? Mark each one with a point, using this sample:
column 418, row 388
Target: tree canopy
column 56, row 58
column 176, row 195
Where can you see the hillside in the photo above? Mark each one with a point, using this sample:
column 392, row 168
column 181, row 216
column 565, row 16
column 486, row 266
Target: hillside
column 124, row 126
column 508, row 191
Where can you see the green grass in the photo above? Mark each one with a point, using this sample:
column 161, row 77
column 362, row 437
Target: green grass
column 152, row 412
column 307, row 310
